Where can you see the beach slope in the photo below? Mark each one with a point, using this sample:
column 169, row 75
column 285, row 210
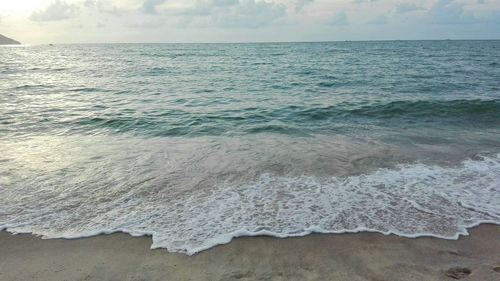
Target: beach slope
column 363, row 256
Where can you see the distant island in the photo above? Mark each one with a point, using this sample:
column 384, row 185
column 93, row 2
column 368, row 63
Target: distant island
column 7, row 41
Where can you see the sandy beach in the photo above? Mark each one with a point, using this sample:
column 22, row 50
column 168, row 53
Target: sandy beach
column 364, row 256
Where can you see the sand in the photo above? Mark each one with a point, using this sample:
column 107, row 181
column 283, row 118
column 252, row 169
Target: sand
column 364, row 256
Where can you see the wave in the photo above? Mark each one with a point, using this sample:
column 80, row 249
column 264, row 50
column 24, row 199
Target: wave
column 399, row 109
column 411, row 200
column 184, row 117
column 453, row 108
column 301, row 120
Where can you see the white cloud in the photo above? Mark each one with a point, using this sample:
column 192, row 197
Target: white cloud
column 382, row 19
column 364, row 1
column 149, row 6
column 89, row 3
column 111, row 7
column 208, row 7
column 145, row 22
column 57, row 10
column 450, row 12
column 339, row 19
column 301, row 4
column 407, row 7
column 248, row 20
column 108, row 6
column 229, row 13
column 465, row 13
column 249, row 14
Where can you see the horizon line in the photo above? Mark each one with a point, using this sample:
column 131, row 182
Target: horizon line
column 264, row 42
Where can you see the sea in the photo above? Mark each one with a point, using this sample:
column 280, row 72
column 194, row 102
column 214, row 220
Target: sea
column 196, row 144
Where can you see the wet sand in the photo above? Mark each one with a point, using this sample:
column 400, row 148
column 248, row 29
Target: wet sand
column 364, row 256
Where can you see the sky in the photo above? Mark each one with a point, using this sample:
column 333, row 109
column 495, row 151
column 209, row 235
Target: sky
column 165, row 21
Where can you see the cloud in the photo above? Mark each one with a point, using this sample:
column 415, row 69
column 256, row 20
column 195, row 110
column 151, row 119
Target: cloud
column 104, row 6
column 450, row 12
column 339, row 19
column 492, row 17
column 364, row 1
column 249, row 14
column 407, row 7
column 208, row 7
column 301, row 4
column 149, row 6
column 251, row 20
column 221, row 3
column 453, row 12
column 382, row 19
column 146, row 22
column 57, row 10
column 89, row 3
column 229, row 13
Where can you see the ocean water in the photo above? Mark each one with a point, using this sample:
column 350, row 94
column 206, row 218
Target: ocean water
column 196, row 144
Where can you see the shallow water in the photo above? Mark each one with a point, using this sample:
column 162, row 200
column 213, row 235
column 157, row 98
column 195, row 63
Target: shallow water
column 196, row 144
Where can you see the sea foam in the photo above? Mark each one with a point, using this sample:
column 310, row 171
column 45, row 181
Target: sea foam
column 410, row 200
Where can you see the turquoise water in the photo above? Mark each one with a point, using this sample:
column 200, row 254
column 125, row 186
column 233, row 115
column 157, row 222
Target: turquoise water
column 198, row 143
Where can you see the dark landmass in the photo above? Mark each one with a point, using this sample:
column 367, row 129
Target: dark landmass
column 8, row 41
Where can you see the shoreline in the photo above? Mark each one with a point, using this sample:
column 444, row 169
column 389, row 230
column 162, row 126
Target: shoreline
column 356, row 256
column 464, row 230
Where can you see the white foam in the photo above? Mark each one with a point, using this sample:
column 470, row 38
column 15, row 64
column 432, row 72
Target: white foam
column 411, row 200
